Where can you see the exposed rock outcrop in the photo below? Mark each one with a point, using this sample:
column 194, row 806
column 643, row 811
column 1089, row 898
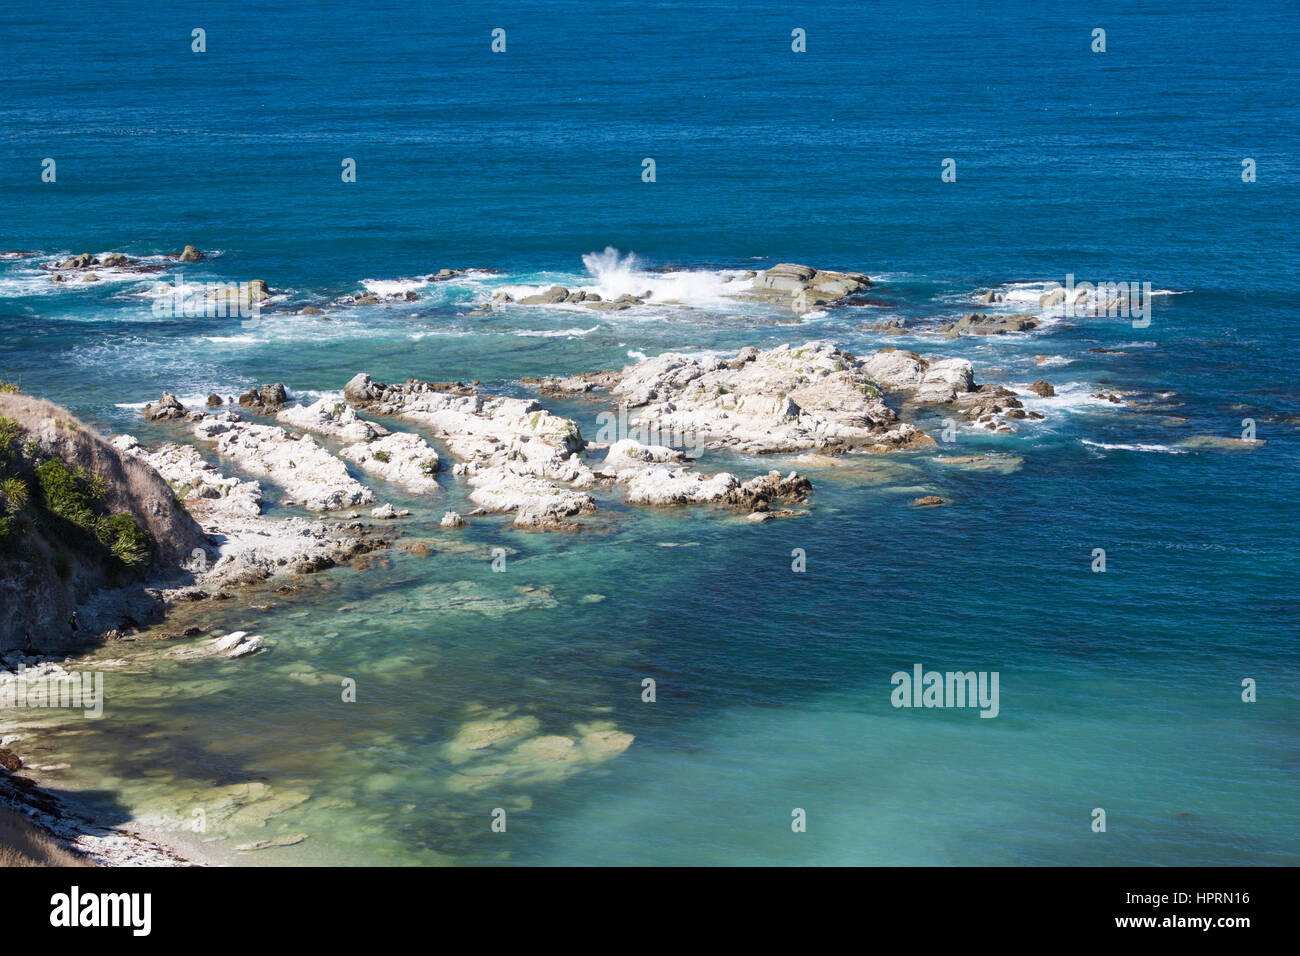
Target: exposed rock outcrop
column 197, row 484
column 243, row 546
column 403, row 458
column 168, row 407
column 310, row 476
column 946, row 382
column 785, row 399
column 512, row 451
column 981, row 323
column 333, row 418
column 803, row 287
column 265, row 397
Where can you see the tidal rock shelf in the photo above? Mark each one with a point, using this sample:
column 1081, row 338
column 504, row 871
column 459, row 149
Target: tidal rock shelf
column 245, row 546
column 521, row 459
column 403, row 458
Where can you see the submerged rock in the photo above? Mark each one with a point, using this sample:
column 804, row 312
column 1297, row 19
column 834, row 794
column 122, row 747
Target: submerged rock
column 1220, row 443
column 497, row 750
column 271, row 844
column 980, row 323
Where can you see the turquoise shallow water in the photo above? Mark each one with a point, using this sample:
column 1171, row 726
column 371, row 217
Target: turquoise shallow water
column 1118, row 690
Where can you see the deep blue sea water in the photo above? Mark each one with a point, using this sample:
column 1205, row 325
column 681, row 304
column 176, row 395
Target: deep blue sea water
column 1118, row 690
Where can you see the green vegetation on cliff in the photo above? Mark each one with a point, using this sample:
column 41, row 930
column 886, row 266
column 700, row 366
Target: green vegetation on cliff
column 62, row 503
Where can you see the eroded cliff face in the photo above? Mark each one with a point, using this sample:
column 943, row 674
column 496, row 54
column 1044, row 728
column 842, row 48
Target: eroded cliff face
column 76, row 517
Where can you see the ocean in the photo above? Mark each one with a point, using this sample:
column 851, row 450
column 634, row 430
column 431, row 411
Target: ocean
column 1119, row 690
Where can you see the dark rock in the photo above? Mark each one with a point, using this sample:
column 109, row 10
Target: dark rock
column 553, row 295
column 265, row 396
column 168, row 407
column 980, row 323
column 274, row 394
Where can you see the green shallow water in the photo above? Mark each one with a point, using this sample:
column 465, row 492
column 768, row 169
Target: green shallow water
column 478, row 690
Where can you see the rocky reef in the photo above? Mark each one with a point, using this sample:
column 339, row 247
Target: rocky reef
column 312, row 477
column 519, row 458
column 786, row 399
column 804, row 288
column 513, row 452
column 243, row 546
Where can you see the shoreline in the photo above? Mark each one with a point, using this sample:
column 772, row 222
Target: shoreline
column 71, row 825
column 516, row 460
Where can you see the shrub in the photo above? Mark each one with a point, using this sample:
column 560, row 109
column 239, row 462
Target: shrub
column 65, row 493
column 13, row 495
column 127, row 541
column 10, row 431
column 381, row 455
column 76, row 497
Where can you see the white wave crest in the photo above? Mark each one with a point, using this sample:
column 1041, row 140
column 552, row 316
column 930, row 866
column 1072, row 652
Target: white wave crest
column 1156, row 449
